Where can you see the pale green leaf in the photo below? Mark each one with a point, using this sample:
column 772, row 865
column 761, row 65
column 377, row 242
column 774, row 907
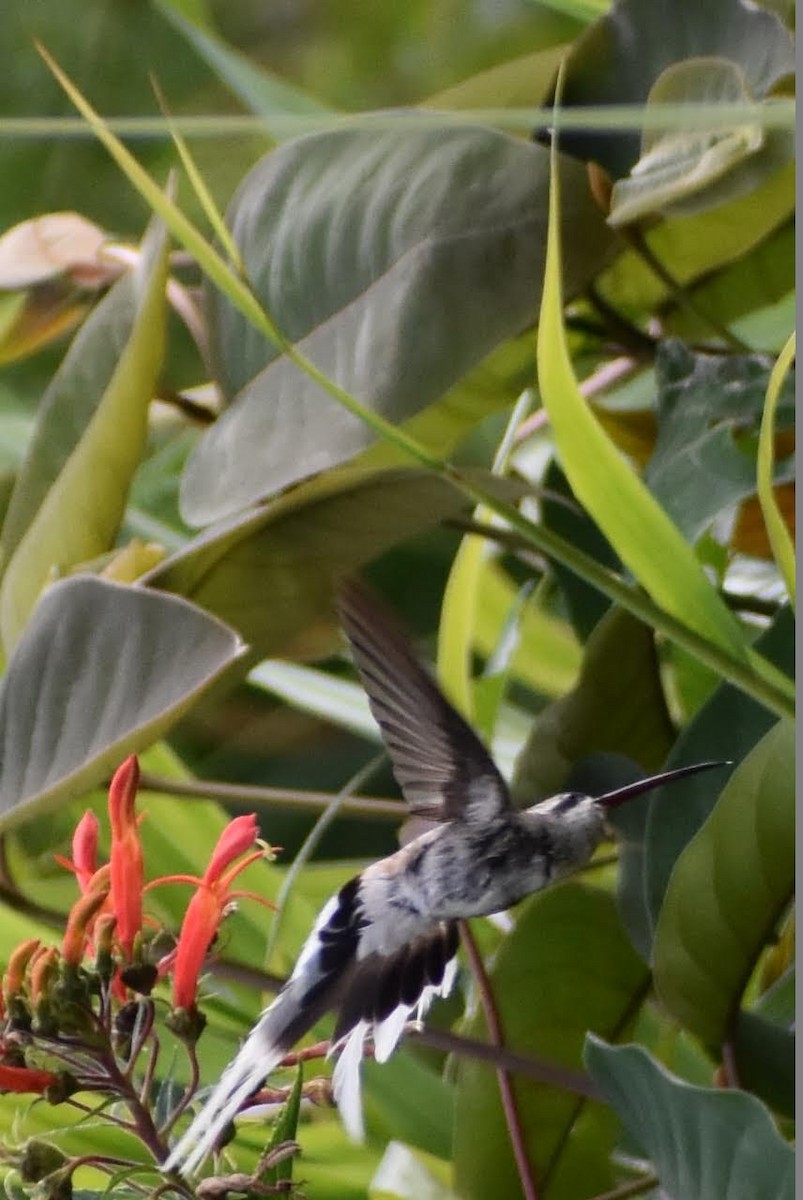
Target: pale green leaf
column 705, row 1143
column 101, row 670
column 636, row 526
column 72, row 488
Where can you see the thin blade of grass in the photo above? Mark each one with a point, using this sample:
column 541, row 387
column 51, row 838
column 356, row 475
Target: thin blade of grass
column 638, row 528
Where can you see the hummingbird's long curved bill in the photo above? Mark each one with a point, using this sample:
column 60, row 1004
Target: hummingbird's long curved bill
column 631, row 790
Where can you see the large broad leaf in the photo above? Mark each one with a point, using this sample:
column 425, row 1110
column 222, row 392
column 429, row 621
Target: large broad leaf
column 100, row 670
column 397, row 259
column 565, row 969
column 689, row 171
column 704, row 1143
column 728, row 891
column 709, row 412
column 71, row 490
column 619, row 58
column 271, row 573
column 727, row 727
column 616, row 707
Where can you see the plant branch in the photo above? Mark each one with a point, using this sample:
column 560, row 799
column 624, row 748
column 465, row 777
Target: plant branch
column 635, row 238
column 576, row 1082
column 512, row 1118
column 293, row 798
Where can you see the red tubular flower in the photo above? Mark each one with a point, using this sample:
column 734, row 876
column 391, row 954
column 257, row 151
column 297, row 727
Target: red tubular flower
column 208, row 906
column 25, row 1079
column 127, row 871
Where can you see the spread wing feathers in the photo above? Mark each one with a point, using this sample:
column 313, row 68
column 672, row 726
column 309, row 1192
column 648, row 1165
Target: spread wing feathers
column 373, row 995
column 384, row 993
column 442, row 766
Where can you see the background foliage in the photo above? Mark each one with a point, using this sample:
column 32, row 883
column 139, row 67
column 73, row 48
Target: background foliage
column 601, row 569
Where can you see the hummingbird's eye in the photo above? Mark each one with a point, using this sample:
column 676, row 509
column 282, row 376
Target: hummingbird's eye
column 566, row 802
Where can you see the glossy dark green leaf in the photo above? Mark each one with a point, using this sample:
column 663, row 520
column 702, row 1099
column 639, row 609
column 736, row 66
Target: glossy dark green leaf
column 704, row 1143
column 72, row 488
column 616, row 707
column 728, row 890
column 565, row 969
column 726, row 727
column 101, row 670
column 709, row 411
column 619, row 58
column 397, row 259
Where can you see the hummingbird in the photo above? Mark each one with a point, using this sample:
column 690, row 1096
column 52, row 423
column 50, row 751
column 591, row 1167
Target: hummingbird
column 386, row 943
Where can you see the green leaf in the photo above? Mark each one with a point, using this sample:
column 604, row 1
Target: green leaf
column 271, row 572
column 396, row 225
column 617, row 706
column 619, row 58
column 516, row 83
column 101, row 670
column 688, row 171
column 71, row 490
column 639, row 530
column 709, row 410
column 708, row 938
column 566, row 968
column 703, row 1142
column 726, row 727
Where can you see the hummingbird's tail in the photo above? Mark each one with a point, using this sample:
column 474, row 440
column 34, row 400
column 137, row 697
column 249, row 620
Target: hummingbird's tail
column 278, row 1029
column 376, row 963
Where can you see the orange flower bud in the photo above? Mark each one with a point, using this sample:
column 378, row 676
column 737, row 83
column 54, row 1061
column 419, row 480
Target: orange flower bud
column 79, row 923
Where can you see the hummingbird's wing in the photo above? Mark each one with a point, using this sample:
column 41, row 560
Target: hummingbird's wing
column 442, row 767
column 375, row 963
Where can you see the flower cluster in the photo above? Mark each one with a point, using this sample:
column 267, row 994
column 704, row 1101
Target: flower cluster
column 81, row 1017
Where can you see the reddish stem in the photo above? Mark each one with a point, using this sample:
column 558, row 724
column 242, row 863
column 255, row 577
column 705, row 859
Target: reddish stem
column 507, row 1096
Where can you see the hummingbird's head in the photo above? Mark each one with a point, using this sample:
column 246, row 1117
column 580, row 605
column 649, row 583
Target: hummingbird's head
column 577, row 822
